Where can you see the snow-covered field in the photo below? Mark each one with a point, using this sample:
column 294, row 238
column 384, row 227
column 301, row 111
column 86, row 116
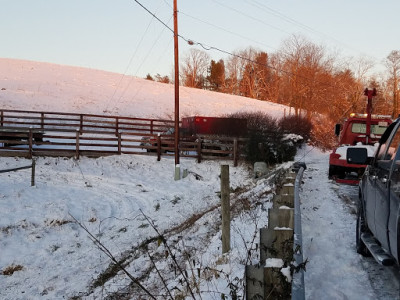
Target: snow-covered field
column 110, row 197
column 127, row 202
column 118, row 198
column 40, row 86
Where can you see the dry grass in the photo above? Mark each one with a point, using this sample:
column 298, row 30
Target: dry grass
column 8, row 271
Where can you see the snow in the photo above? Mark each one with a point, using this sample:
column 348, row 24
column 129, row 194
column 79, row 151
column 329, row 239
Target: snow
column 274, row 263
column 342, row 150
column 49, row 87
column 127, row 201
column 334, row 269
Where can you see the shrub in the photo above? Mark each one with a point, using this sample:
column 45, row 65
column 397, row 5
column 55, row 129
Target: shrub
column 297, row 125
column 323, row 135
column 265, row 139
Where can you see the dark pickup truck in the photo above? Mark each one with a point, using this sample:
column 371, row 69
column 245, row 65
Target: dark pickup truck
column 378, row 217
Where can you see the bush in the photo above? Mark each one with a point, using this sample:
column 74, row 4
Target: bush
column 323, row 135
column 297, row 125
column 265, row 139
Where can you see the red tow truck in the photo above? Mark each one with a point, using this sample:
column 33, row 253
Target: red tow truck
column 358, row 131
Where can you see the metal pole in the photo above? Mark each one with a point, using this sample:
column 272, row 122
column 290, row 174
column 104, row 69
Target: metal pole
column 176, row 83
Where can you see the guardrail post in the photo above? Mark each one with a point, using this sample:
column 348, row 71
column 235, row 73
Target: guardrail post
column 225, row 209
column 254, row 282
column 276, row 243
column 276, row 284
column 288, row 189
column 77, row 144
column 283, row 200
column 281, row 217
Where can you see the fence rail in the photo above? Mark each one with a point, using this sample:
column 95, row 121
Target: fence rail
column 33, row 133
column 32, row 167
column 83, row 122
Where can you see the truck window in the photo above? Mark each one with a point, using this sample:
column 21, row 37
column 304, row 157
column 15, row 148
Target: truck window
column 377, row 129
column 387, row 151
column 394, row 144
column 382, row 154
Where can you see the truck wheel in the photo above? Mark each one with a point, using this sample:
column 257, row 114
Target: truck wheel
column 360, row 228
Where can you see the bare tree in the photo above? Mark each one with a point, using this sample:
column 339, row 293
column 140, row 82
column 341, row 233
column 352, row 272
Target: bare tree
column 233, row 71
column 306, row 74
column 194, row 68
column 393, row 66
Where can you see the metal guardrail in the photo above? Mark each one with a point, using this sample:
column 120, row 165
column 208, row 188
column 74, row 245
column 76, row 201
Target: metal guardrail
column 298, row 287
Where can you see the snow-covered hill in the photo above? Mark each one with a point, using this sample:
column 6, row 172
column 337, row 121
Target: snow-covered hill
column 41, row 86
column 54, row 258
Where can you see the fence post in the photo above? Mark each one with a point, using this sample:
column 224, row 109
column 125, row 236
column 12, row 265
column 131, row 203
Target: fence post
column 225, row 209
column 235, row 152
column 81, row 123
column 33, row 172
column 42, row 120
column 198, row 146
column 158, row 147
column 77, row 144
column 30, row 142
column 2, row 118
column 119, row 142
column 151, row 127
column 116, row 126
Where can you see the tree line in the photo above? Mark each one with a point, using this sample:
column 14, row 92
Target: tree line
column 301, row 75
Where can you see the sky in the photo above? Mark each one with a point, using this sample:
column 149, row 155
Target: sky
column 121, row 36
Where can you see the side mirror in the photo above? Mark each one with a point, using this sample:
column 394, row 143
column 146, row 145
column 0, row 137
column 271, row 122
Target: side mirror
column 358, row 156
column 337, row 129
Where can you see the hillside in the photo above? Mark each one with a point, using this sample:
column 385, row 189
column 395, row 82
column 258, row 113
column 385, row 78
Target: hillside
column 46, row 255
column 32, row 85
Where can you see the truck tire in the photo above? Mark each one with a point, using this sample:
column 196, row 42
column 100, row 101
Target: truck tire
column 361, row 228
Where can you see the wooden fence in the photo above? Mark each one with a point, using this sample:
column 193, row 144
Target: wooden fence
column 33, row 133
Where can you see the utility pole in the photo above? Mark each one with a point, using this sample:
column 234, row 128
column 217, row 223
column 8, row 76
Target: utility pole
column 176, row 84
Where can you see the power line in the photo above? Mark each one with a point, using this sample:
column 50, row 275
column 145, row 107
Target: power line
column 154, row 16
column 131, row 59
column 129, row 64
column 290, row 20
column 226, row 30
column 141, row 64
column 209, row 48
column 249, row 16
